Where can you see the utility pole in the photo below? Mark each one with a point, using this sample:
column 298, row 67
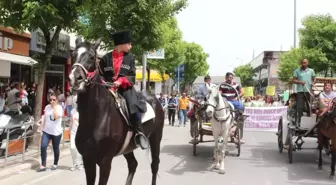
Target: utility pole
column 144, row 67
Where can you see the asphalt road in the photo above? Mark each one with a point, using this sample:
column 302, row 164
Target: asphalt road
column 259, row 164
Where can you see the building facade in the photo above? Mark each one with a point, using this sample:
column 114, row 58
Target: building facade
column 266, row 66
column 57, row 69
column 14, row 57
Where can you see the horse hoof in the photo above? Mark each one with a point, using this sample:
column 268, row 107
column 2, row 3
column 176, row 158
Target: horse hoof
column 332, row 177
column 320, row 167
column 221, row 172
column 212, row 167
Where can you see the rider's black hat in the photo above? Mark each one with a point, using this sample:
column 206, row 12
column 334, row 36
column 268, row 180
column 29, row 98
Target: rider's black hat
column 122, row 37
column 207, row 77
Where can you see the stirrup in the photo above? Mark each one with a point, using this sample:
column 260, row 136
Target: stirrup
column 140, row 136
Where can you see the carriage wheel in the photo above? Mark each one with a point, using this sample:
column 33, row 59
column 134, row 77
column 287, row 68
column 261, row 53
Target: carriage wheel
column 290, row 147
column 238, row 136
column 280, row 133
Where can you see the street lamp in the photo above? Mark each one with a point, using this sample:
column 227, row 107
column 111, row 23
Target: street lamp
column 241, row 60
column 294, row 23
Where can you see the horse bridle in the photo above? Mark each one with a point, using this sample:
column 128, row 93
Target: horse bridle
column 215, row 109
column 86, row 72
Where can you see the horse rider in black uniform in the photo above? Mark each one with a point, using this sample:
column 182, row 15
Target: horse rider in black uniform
column 118, row 67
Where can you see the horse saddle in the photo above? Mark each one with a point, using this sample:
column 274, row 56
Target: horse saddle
column 146, row 110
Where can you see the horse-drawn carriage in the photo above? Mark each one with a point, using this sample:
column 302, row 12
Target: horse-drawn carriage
column 201, row 126
column 293, row 133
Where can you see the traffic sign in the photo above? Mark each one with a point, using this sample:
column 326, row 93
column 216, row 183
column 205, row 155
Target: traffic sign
column 181, row 76
column 180, row 68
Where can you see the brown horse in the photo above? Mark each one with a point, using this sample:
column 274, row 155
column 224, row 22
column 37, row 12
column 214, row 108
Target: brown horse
column 327, row 131
column 102, row 129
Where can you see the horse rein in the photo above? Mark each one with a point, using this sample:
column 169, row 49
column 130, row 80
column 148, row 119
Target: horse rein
column 88, row 76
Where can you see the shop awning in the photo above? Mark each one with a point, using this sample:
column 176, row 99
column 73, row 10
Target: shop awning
column 17, row 59
column 155, row 76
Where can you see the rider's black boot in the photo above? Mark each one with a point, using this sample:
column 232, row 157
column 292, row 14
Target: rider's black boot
column 140, row 138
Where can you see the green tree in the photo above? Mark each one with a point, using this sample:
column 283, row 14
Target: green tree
column 246, row 74
column 48, row 16
column 195, row 62
column 319, row 34
column 143, row 17
column 173, row 50
column 290, row 61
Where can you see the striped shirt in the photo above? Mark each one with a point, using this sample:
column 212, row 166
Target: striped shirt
column 228, row 92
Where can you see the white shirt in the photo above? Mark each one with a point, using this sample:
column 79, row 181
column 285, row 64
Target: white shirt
column 69, row 100
column 53, row 127
column 75, row 118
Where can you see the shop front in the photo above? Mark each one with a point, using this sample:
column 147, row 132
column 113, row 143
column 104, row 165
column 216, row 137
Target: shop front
column 16, row 65
column 155, row 81
column 55, row 75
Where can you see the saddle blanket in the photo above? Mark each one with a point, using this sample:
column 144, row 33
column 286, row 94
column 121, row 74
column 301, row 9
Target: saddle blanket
column 149, row 114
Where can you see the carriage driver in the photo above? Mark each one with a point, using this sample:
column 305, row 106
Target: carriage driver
column 118, row 67
column 304, row 78
column 230, row 94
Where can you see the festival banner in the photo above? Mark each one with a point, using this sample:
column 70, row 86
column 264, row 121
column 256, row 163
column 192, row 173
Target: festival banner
column 248, row 91
column 270, row 90
column 263, row 117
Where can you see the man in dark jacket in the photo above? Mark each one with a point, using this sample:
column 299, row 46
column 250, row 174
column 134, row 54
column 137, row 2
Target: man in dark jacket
column 118, row 67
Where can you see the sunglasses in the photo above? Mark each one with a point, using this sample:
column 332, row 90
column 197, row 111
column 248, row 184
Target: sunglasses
column 52, row 100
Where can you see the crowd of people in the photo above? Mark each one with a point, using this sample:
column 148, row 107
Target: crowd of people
column 16, row 95
column 176, row 104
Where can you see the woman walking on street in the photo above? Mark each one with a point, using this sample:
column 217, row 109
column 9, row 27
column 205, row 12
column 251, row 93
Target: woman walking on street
column 76, row 156
column 51, row 130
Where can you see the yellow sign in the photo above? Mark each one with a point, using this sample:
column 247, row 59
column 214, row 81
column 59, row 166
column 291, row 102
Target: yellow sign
column 155, row 76
column 248, row 91
column 270, row 90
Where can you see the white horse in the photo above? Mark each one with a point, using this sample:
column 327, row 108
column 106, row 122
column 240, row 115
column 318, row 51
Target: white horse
column 219, row 111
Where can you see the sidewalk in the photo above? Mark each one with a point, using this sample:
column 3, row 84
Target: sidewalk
column 32, row 159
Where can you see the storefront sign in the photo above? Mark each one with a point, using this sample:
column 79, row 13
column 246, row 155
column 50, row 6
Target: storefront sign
column 263, row 117
column 62, row 49
column 157, row 54
column 14, row 43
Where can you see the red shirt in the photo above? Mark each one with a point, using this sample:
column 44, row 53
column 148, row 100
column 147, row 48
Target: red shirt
column 117, row 61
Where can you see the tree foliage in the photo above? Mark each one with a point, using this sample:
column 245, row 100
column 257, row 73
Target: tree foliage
column 48, row 16
column 319, row 35
column 195, row 62
column 173, row 49
column 143, row 17
column 246, row 74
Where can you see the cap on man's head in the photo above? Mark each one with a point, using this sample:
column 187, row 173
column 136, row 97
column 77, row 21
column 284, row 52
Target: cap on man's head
column 122, row 37
column 229, row 74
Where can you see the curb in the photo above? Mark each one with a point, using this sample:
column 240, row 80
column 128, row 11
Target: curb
column 35, row 163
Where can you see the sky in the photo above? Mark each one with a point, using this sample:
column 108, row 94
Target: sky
column 229, row 31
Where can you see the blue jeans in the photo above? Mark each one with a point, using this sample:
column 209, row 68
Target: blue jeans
column 55, row 140
column 68, row 109
column 183, row 116
column 238, row 105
